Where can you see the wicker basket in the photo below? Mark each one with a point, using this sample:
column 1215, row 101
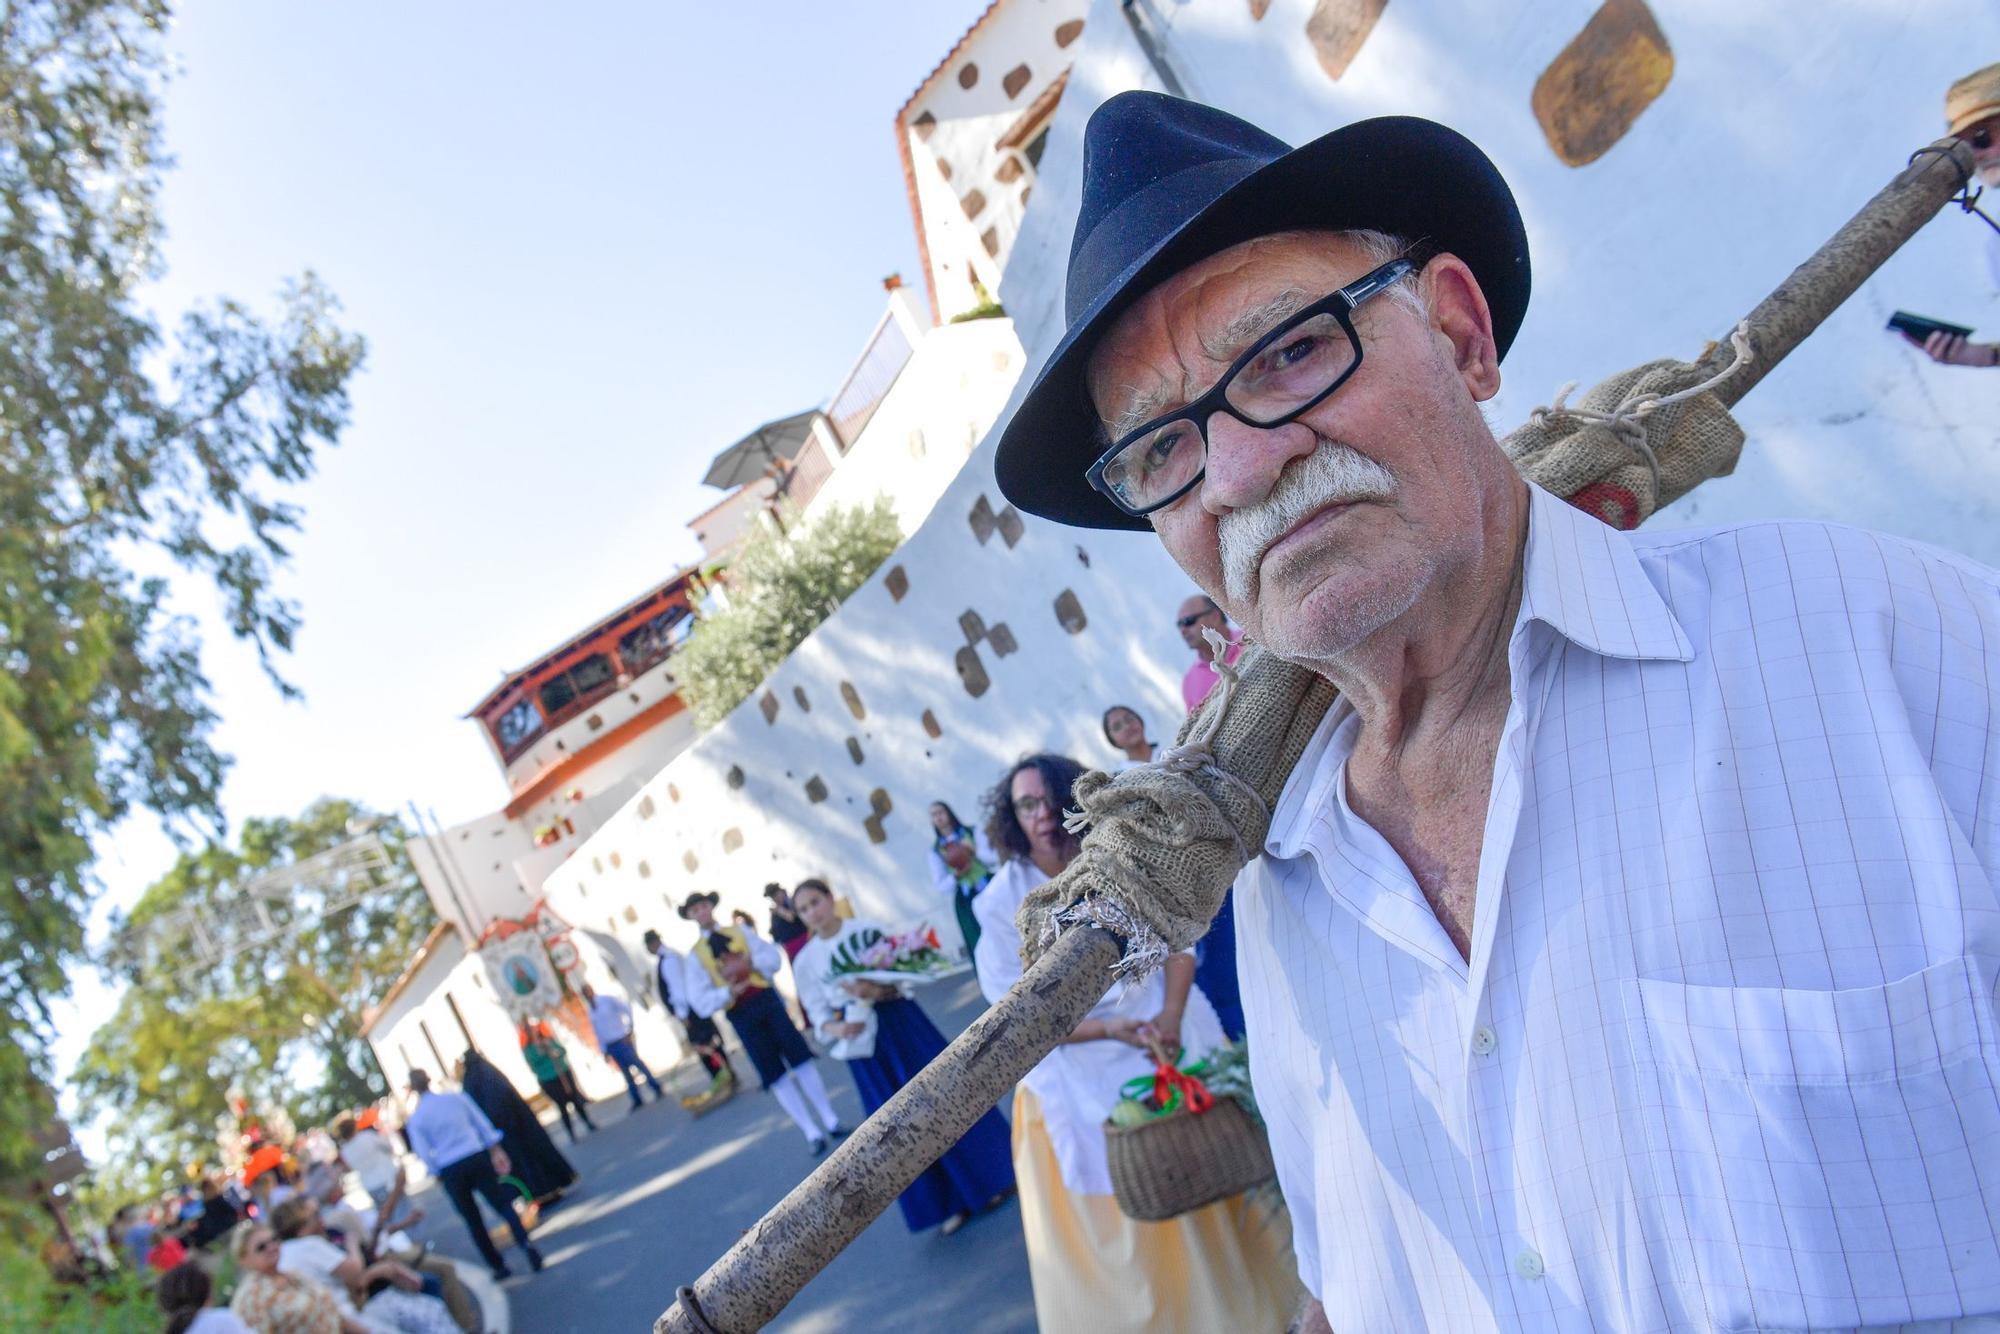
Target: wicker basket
column 1164, row 1168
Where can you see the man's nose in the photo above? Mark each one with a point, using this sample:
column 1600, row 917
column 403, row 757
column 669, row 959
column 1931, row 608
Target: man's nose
column 1244, row 462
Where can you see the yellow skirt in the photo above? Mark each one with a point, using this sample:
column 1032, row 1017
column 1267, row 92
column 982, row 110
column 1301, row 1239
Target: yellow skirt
column 1226, row 1267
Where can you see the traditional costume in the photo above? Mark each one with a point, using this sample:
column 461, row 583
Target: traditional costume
column 537, row 1161
column 1226, row 1266
column 670, row 974
column 897, row 1040
column 961, row 864
column 730, row 971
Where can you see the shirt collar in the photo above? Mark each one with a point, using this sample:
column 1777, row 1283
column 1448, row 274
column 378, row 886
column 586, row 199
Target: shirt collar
column 1581, row 578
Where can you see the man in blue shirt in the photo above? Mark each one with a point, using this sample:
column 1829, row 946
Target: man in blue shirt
column 462, row 1150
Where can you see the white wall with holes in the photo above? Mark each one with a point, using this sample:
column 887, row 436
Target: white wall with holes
column 1752, row 153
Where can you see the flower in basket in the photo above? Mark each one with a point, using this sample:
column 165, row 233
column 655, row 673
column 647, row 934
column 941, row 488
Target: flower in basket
column 870, row 955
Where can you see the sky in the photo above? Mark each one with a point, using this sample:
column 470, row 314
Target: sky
column 587, row 253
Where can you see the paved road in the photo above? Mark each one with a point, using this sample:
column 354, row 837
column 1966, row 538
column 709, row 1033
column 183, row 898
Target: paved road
column 664, row 1194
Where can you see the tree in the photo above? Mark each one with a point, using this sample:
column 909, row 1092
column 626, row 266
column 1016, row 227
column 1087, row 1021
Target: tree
column 121, row 451
column 779, row 587
column 276, row 1006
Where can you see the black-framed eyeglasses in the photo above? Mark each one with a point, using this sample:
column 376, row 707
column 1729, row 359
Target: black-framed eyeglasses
column 1290, row 370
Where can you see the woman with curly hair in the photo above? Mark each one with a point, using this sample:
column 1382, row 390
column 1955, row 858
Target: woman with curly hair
column 1225, row 1266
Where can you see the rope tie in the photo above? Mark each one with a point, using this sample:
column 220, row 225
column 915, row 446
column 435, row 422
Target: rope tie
column 1627, row 421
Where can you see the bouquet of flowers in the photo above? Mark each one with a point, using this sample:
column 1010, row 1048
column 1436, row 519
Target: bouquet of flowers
column 870, row 955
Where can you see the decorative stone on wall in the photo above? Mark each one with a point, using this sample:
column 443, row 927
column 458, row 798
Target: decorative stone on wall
column 673, row 793
column 981, row 520
column 854, row 750
column 799, row 698
column 968, row 74
column 690, row 861
column 1338, row 29
column 735, row 776
column 616, row 861
column 973, row 202
column 595, row 722
column 1015, row 79
column 897, row 582
column 990, row 239
column 1069, row 612
column 732, row 839
column 1010, row 526
column 1068, row 32
column 932, row 728
column 1259, row 8
column 815, row 789
column 768, row 706
column 646, row 808
column 852, row 699
column 645, row 870
column 974, row 628
column 1596, row 86
column 924, row 125
column 1008, row 171
column 1001, row 640
column 971, row 671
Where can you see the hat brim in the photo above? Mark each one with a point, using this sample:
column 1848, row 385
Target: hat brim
column 1397, row 174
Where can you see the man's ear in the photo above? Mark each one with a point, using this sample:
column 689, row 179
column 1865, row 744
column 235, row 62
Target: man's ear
column 1458, row 311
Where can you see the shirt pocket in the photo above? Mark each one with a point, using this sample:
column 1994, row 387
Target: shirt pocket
column 1821, row 1158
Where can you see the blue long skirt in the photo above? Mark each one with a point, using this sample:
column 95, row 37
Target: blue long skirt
column 972, row 1171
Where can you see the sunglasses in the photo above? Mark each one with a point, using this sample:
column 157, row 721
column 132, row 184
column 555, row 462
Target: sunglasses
column 1185, row 622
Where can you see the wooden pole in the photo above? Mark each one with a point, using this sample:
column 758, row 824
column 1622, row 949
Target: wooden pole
column 1837, row 269
column 803, row 1232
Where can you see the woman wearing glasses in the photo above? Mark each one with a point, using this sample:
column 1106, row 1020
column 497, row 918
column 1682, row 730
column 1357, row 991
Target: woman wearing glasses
column 1227, row 1266
column 274, row 1303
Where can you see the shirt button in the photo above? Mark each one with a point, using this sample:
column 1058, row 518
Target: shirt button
column 1483, row 1041
column 1528, row 1264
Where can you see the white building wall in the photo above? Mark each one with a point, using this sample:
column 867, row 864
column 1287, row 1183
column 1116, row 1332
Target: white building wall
column 942, row 405
column 1755, row 152
column 960, row 153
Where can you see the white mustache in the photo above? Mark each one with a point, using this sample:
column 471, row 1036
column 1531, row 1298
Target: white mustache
column 1332, row 474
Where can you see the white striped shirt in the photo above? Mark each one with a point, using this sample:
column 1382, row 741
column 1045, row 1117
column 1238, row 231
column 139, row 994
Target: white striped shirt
column 1725, row 1054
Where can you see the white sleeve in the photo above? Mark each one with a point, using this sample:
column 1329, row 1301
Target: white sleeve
column 765, row 957
column 998, row 953
column 984, row 847
column 672, row 969
column 705, row 996
column 942, row 880
column 816, row 994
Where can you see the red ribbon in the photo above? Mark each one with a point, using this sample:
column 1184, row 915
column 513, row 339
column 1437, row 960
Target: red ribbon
column 1169, row 1080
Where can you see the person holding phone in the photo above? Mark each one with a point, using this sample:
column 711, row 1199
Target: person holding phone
column 1972, row 115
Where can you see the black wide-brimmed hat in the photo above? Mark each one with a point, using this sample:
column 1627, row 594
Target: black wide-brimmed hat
column 1168, row 182
column 711, row 899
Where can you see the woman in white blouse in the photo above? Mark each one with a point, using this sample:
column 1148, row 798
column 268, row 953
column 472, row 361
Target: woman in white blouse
column 1227, row 1266
column 886, row 1039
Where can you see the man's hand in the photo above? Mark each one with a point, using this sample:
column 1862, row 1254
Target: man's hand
column 850, row 1030
column 1950, row 349
column 502, row 1164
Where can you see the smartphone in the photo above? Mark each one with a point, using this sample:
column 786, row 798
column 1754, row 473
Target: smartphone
column 1917, row 328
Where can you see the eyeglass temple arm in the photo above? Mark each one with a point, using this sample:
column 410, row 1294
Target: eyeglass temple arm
column 1376, row 281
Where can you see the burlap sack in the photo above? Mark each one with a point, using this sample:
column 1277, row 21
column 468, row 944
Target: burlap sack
column 1164, row 842
column 1608, row 470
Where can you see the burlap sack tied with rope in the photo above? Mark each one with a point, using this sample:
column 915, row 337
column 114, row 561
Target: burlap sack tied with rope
column 1166, row 839
column 1163, row 842
column 1634, row 443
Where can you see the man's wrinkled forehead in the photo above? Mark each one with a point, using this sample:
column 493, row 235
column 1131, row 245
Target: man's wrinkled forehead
column 1174, row 340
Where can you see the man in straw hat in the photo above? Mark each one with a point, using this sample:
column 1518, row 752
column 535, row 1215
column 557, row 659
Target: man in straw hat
column 1623, row 950
column 730, row 971
column 1972, row 114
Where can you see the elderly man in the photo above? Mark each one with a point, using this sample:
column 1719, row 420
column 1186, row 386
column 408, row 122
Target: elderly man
column 1623, row 951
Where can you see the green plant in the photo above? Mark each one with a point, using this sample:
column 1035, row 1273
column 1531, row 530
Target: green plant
column 780, row 586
